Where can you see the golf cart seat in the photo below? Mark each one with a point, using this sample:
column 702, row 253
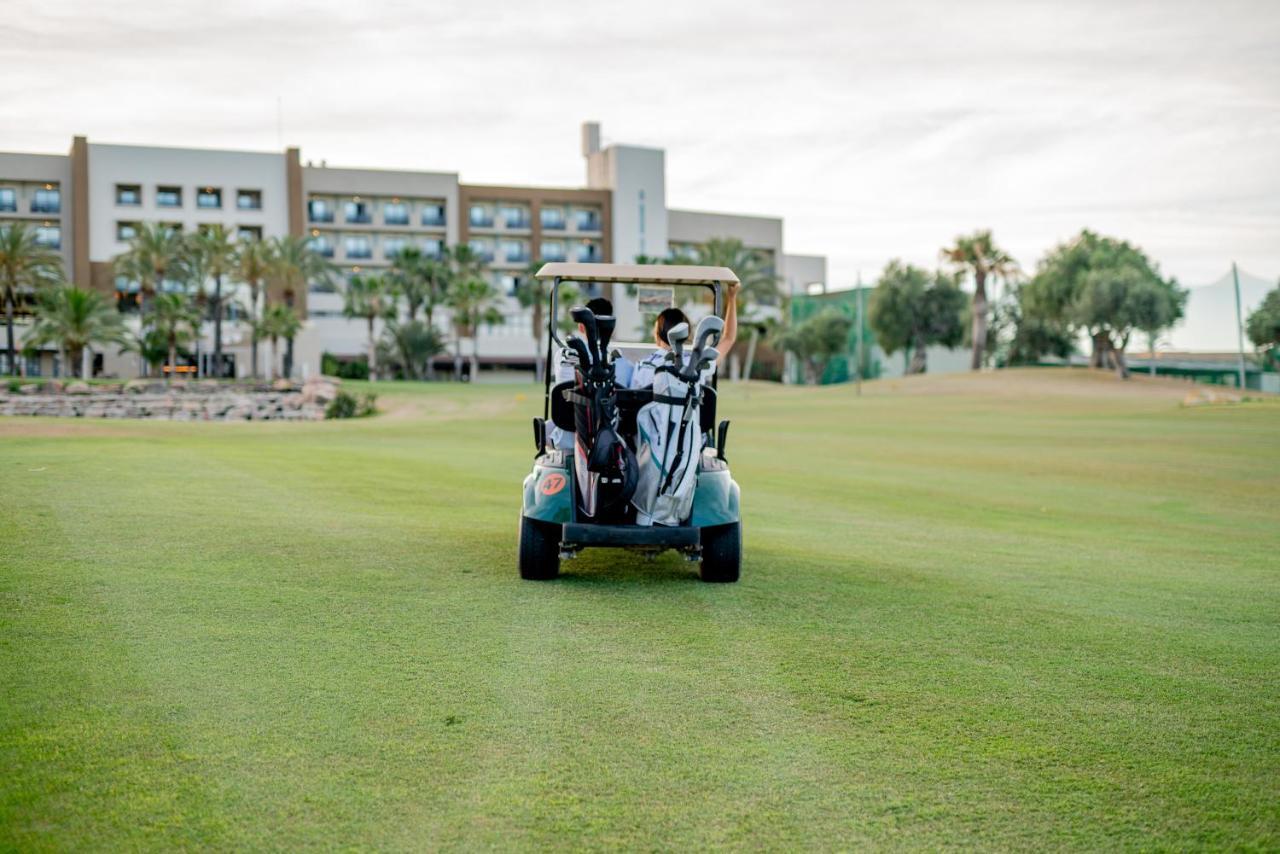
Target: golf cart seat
column 629, row 402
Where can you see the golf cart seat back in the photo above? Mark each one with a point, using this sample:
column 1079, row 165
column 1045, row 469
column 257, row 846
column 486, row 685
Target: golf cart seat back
column 629, row 402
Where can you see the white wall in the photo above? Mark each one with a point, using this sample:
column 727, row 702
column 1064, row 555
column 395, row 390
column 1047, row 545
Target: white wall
column 190, row 169
column 800, row 271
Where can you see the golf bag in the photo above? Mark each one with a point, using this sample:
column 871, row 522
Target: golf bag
column 604, row 467
column 669, row 443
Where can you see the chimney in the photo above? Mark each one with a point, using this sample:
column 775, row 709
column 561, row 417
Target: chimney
column 590, row 138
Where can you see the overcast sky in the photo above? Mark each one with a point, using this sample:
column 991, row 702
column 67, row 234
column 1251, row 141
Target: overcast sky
column 878, row 130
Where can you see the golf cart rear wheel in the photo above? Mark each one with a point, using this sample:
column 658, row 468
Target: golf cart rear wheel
column 539, row 549
column 721, row 553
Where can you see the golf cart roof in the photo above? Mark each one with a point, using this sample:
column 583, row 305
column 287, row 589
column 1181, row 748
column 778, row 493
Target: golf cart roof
column 646, row 274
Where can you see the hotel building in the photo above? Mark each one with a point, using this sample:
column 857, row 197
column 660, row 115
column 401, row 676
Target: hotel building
column 88, row 203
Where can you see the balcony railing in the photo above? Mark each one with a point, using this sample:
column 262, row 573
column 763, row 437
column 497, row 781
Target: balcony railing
column 481, row 221
column 319, row 214
column 553, row 223
column 46, row 207
column 516, row 257
column 357, row 217
column 517, row 221
column 588, row 223
column 396, row 219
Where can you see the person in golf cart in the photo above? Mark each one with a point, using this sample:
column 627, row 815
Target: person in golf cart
column 642, row 375
column 622, row 372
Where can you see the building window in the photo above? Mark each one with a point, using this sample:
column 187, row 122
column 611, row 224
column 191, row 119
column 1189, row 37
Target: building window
column 126, row 231
column 8, row 199
column 553, row 250
column 433, row 247
column 250, row 233
column 356, row 212
column 320, row 210
column 391, row 246
column 209, row 197
column 249, row 200
column 552, row 218
column 128, row 194
column 588, row 220
column 322, row 245
column 433, row 214
column 358, row 246
column 33, row 366
column 172, row 227
column 49, row 236
column 514, row 216
column 588, row 252
column 395, row 213
column 510, row 284
column 483, row 249
column 515, row 251
column 169, row 197
column 47, row 200
column 480, row 216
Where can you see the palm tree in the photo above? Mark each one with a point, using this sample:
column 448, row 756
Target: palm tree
column 977, row 253
column 152, row 252
column 474, row 302
column 279, row 321
column 192, row 269
column 74, row 320
column 423, row 281
column 754, row 269
column 253, row 264
column 24, row 265
column 294, row 265
column 171, row 316
column 533, row 294
column 218, row 251
column 413, row 344
column 369, row 297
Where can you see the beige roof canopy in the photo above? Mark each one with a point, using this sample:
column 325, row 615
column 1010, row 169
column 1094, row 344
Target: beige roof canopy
column 645, row 274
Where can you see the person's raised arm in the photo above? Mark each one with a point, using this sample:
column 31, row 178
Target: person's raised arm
column 730, row 334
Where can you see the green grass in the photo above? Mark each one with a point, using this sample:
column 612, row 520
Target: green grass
column 1025, row 611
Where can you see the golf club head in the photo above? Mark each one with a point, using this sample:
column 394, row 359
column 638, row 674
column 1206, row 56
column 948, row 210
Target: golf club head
column 579, row 348
column 585, row 317
column 676, row 336
column 708, row 360
column 708, row 326
column 605, row 324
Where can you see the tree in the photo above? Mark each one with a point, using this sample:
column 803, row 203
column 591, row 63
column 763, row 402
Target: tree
column 533, row 294
column 816, row 341
column 74, row 320
column 25, row 266
column 912, row 309
column 150, row 346
column 411, row 345
column 279, row 321
column 369, row 297
column 423, row 281
column 474, row 302
column 218, row 252
column 1106, row 288
column 170, row 315
column 151, row 253
column 1263, row 325
column 294, row 265
column 978, row 254
column 252, row 266
column 754, row 269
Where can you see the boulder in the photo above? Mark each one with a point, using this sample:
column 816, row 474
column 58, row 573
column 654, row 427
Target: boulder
column 78, row 387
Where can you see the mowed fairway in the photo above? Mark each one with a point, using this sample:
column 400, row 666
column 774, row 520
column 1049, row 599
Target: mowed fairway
column 1031, row 610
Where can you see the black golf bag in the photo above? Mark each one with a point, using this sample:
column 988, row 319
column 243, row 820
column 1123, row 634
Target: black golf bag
column 604, row 466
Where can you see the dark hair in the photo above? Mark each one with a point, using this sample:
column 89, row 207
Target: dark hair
column 600, row 307
column 668, row 318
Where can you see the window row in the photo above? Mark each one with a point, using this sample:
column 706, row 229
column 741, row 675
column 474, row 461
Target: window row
column 358, row 211
column 360, row 247
column 45, row 200
column 515, row 215
column 126, row 231
column 170, row 196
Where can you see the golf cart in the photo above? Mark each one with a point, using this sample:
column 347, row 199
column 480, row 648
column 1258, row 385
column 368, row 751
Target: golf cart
column 647, row 471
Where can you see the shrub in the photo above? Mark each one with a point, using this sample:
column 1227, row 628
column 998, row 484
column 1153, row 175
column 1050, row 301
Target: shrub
column 354, row 369
column 347, row 405
column 15, row 386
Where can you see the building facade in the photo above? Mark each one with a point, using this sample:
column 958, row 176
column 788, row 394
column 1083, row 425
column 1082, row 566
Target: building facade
column 88, row 203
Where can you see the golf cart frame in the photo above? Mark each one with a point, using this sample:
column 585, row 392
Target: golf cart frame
column 551, row 525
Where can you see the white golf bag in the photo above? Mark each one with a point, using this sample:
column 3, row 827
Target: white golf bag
column 668, row 446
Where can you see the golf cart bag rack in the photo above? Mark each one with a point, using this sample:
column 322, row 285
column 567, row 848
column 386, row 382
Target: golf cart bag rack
column 629, row 401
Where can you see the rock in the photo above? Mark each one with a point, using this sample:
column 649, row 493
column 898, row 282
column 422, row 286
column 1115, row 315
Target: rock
column 78, row 387
column 29, row 388
column 53, row 386
column 319, row 391
column 137, row 386
column 282, row 385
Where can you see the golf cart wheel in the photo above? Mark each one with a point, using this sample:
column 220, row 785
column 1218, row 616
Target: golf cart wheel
column 722, row 553
column 539, row 549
